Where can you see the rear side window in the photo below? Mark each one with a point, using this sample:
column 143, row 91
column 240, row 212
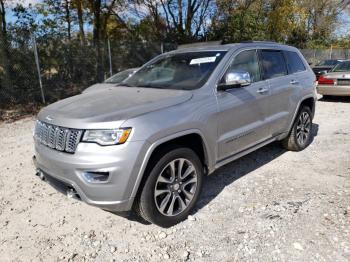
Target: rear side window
column 294, row 62
column 273, row 63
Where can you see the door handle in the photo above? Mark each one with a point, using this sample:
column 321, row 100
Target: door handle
column 294, row 82
column 262, row 91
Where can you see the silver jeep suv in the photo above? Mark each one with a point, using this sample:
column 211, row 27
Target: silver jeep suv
column 147, row 144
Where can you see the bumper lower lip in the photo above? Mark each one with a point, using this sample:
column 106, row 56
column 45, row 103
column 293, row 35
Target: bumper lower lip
column 121, row 162
column 71, row 190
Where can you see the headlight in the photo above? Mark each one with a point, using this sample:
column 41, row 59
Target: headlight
column 107, row 137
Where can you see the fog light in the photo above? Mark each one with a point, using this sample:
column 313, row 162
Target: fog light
column 96, row 177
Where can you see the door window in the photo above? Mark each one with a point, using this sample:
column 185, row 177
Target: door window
column 247, row 61
column 273, row 63
column 294, row 62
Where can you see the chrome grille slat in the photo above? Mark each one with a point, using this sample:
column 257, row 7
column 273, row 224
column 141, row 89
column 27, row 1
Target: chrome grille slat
column 56, row 137
column 73, row 138
column 51, row 137
column 61, row 135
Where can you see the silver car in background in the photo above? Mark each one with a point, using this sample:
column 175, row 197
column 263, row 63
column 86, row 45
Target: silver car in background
column 336, row 82
column 113, row 80
column 148, row 143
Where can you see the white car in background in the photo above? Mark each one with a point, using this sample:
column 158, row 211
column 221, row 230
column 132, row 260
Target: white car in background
column 113, row 80
column 336, row 82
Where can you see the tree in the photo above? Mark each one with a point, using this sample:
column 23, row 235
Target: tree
column 78, row 4
column 184, row 20
column 3, row 25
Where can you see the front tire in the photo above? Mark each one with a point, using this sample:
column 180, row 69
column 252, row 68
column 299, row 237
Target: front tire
column 301, row 134
column 172, row 187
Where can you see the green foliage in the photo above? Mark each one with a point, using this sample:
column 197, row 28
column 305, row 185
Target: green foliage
column 72, row 36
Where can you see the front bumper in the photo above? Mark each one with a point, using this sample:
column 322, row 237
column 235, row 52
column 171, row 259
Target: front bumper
column 122, row 162
column 333, row 90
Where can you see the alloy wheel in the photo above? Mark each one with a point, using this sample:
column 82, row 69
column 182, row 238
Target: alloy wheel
column 175, row 187
column 303, row 128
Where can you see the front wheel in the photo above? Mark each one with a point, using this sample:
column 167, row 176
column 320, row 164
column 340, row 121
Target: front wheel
column 301, row 134
column 172, row 187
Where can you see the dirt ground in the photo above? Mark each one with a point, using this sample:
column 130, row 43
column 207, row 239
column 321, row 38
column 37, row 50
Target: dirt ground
column 270, row 205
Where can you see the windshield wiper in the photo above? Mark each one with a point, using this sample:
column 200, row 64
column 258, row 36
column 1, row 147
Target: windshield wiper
column 151, row 86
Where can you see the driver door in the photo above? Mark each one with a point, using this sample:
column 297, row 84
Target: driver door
column 243, row 110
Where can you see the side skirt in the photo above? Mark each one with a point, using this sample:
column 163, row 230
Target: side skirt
column 229, row 159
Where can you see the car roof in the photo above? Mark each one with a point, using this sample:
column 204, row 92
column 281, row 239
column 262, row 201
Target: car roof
column 227, row 47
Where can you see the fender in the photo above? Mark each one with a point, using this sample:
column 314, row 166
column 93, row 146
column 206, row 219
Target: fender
column 154, row 145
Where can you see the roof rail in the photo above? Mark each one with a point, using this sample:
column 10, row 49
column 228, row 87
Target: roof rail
column 200, row 44
column 263, row 42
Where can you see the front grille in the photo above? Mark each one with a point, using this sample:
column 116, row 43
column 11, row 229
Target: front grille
column 56, row 137
column 343, row 82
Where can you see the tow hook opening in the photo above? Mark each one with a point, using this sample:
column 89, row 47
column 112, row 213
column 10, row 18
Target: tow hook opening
column 40, row 174
column 72, row 193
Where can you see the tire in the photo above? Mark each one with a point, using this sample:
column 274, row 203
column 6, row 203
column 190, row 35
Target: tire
column 160, row 190
column 301, row 134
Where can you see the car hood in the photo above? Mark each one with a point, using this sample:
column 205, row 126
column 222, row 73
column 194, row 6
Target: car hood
column 97, row 87
column 110, row 107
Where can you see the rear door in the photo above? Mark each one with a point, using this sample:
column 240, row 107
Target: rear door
column 275, row 71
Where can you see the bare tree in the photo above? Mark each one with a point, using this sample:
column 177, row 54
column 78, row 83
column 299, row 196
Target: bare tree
column 3, row 26
column 68, row 18
column 79, row 7
column 183, row 18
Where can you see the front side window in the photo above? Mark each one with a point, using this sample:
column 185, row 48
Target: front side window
column 294, row 62
column 247, row 61
column 273, row 63
column 182, row 71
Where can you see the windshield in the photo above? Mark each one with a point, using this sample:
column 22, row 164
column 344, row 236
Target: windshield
column 342, row 67
column 183, row 71
column 120, row 77
column 328, row 63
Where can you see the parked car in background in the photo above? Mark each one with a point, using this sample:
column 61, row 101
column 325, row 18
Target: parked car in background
column 324, row 67
column 336, row 82
column 148, row 143
column 113, row 80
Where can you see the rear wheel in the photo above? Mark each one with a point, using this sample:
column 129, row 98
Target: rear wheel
column 301, row 133
column 172, row 187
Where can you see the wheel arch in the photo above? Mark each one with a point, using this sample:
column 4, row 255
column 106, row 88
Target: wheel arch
column 309, row 101
column 193, row 139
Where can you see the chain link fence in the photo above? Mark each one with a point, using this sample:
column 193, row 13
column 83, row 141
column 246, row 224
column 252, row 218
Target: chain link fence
column 65, row 68
column 316, row 55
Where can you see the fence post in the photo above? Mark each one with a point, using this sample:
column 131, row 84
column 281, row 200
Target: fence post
column 38, row 69
column 110, row 58
column 161, row 47
column 330, row 53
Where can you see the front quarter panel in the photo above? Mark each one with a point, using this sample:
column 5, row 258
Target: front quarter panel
column 195, row 116
column 199, row 114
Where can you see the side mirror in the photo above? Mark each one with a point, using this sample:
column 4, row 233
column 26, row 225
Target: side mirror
column 235, row 79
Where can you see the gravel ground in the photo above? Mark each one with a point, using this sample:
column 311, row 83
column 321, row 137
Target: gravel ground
column 269, row 205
